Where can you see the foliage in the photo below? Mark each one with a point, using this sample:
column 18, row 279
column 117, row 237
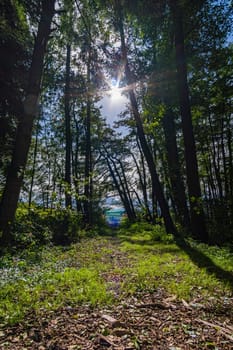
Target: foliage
column 70, row 287
column 15, row 42
column 145, row 230
column 37, row 226
column 165, row 265
column 149, row 35
column 99, row 271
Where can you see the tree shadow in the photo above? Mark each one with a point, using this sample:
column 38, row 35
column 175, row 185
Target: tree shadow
column 149, row 245
column 203, row 261
column 196, row 256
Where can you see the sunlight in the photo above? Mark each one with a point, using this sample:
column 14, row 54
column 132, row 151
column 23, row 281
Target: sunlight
column 115, row 91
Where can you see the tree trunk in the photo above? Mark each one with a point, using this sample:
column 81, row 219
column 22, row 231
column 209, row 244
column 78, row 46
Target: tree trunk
column 75, row 164
column 127, row 190
column 144, row 191
column 196, row 209
column 229, row 143
column 157, row 188
column 33, row 167
column 68, row 201
column 24, row 130
column 177, row 184
column 120, row 191
column 88, row 165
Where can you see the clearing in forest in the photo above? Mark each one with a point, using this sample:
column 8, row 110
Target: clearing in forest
column 125, row 292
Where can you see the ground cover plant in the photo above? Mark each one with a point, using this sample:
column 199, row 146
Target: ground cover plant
column 102, row 277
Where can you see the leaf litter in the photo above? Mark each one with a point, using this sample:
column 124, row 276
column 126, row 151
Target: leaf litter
column 144, row 320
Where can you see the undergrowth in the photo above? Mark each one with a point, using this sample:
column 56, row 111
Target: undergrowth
column 50, row 277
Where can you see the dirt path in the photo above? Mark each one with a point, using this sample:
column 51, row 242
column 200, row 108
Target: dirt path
column 143, row 321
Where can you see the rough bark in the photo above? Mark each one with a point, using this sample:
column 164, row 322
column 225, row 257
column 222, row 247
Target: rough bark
column 196, row 209
column 177, row 184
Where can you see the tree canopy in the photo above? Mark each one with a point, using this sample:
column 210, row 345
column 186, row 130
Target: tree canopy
column 169, row 155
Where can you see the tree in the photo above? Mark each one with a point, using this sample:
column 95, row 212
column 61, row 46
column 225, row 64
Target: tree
column 68, row 201
column 24, row 130
column 15, row 42
column 141, row 135
column 195, row 198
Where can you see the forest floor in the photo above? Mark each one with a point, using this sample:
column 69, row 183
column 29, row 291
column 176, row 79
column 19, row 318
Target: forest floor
column 151, row 295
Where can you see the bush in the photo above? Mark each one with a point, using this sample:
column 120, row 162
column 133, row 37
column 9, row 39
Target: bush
column 42, row 226
column 29, row 228
column 156, row 232
column 65, row 225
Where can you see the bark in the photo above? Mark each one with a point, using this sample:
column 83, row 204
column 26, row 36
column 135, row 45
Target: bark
column 88, row 165
column 215, row 161
column 24, row 130
column 229, row 143
column 157, row 188
column 68, row 199
column 33, row 167
column 144, row 191
column 127, row 191
column 75, row 164
column 177, row 184
column 224, row 160
column 196, row 209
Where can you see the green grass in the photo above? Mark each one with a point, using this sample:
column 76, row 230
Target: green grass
column 54, row 277
column 163, row 264
column 70, row 287
column 59, row 277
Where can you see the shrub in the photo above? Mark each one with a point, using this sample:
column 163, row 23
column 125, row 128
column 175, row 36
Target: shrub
column 39, row 226
column 66, row 226
column 156, row 232
column 29, row 228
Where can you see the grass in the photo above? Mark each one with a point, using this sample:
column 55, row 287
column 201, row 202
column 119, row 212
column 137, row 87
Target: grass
column 59, row 277
column 156, row 267
column 54, row 277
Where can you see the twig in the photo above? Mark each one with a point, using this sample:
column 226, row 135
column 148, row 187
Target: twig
column 106, row 340
column 159, row 305
column 224, row 331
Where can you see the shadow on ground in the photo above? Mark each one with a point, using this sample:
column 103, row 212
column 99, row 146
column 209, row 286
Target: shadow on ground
column 197, row 257
column 203, row 261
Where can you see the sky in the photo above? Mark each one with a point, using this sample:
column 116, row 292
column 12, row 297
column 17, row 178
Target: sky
column 112, row 105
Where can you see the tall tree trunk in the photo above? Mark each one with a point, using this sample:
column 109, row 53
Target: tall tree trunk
column 24, row 130
column 157, row 188
column 120, row 190
column 75, row 164
column 127, row 190
column 229, row 143
column 88, row 165
column 177, row 184
column 33, row 167
column 215, row 160
column 144, row 191
column 196, row 209
column 68, row 200
column 224, row 160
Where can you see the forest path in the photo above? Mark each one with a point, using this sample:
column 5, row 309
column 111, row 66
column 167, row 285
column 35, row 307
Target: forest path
column 144, row 315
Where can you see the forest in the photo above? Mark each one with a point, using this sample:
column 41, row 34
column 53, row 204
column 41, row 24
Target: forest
column 121, row 104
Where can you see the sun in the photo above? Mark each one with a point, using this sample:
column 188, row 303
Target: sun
column 115, row 92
